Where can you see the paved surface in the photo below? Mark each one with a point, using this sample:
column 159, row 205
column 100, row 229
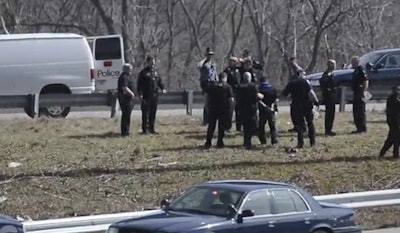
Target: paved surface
column 164, row 110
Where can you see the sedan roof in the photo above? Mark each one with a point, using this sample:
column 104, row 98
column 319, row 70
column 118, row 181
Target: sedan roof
column 245, row 185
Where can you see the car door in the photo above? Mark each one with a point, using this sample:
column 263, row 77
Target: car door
column 385, row 74
column 291, row 211
column 108, row 56
column 263, row 221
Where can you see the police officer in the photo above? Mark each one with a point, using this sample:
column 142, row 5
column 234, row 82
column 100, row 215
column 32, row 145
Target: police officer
column 359, row 85
column 126, row 88
column 328, row 86
column 267, row 108
column 208, row 76
column 302, row 106
column 247, row 66
column 248, row 98
column 220, row 101
column 393, row 121
column 234, row 81
column 148, row 86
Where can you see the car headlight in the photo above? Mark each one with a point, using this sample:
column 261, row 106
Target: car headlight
column 112, row 230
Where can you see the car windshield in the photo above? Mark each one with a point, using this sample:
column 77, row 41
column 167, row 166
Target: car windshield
column 207, row 201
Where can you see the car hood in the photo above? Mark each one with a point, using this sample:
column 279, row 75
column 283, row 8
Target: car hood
column 316, row 76
column 168, row 222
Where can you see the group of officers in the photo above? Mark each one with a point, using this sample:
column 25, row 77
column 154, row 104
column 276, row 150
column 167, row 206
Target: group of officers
column 243, row 90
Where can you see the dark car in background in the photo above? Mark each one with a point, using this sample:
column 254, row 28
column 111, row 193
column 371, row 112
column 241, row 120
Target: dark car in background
column 383, row 70
column 232, row 206
column 10, row 225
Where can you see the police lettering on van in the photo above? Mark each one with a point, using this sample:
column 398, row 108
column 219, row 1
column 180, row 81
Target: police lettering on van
column 108, row 73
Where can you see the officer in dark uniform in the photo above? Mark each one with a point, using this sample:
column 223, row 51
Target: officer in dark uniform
column 148, row 86
column 234, row 81
column 256, row 64
column 302, row 106
column 393, row 121
column 267, row 108
column 220, row 102
column 248, row 98
column 126, row 88
column 359, row 85
column 247, row 66
column 328, row 86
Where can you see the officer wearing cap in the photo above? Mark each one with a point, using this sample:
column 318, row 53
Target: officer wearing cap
column 148, row 86
column 328, row 86
column 393, row 121
column 126, row 88
column 208, row 76
column 220, row 97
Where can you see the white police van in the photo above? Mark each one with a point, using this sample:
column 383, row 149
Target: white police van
column 58, row 63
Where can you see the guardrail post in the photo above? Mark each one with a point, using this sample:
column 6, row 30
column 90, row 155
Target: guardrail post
column 189, row 102
column 112, row 95
column 342, row 105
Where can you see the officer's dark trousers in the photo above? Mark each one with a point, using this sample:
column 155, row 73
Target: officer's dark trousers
column 302, row 112
column 238, row 119
column 393, row 139
column 293, row 117
column 264, row 118
column 126, row 105
column 359, row 114
column 249, row 119
column 149, row 109
column 330, row 103
column 212, row 122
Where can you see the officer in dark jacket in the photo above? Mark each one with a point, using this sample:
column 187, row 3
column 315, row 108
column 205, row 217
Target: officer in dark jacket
column 393, row 121
column 148, row 86
column 267, row 108
column 248, row 98
column 359, row 85
column 302, row 106
column 247, row 66
column 220, row 102
column 233, row 80
column 126, row 88
column 328, row 86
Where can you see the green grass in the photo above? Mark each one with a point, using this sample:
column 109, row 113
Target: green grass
column 81, row 166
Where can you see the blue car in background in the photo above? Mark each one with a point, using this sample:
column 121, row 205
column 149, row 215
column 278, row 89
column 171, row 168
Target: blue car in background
column 232, row 206
column 10, row 225
column 383, row 70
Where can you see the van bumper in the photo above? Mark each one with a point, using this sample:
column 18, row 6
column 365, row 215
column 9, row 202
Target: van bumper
column 82, row 90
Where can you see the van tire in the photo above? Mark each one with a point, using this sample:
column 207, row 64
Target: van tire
column 55, row 112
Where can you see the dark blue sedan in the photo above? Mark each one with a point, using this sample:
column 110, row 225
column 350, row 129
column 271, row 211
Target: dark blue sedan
column 244, row 206
column 10, row 225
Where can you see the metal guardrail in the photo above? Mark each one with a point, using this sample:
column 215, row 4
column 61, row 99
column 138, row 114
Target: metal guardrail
column 99, row 223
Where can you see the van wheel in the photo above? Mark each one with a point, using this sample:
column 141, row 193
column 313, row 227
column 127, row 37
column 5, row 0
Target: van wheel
column 55, row 112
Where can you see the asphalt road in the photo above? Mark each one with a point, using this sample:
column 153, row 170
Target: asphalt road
column 164, row 110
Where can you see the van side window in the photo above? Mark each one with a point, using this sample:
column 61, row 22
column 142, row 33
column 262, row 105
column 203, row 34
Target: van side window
column 108, row 49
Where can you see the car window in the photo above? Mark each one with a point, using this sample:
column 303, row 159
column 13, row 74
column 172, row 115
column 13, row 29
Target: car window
column 258, row 202
column 108, row 49
column 207, row 200
column 392, row 61
column 288, row 201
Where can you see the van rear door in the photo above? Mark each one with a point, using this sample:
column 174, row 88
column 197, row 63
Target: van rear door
column 108, row 56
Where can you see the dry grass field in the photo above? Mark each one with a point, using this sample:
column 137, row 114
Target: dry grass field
column 66, row 167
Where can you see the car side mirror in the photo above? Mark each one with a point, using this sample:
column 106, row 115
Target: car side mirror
column 379, row 66
column 165, row 204
column 245, row 213
column 369, row 65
